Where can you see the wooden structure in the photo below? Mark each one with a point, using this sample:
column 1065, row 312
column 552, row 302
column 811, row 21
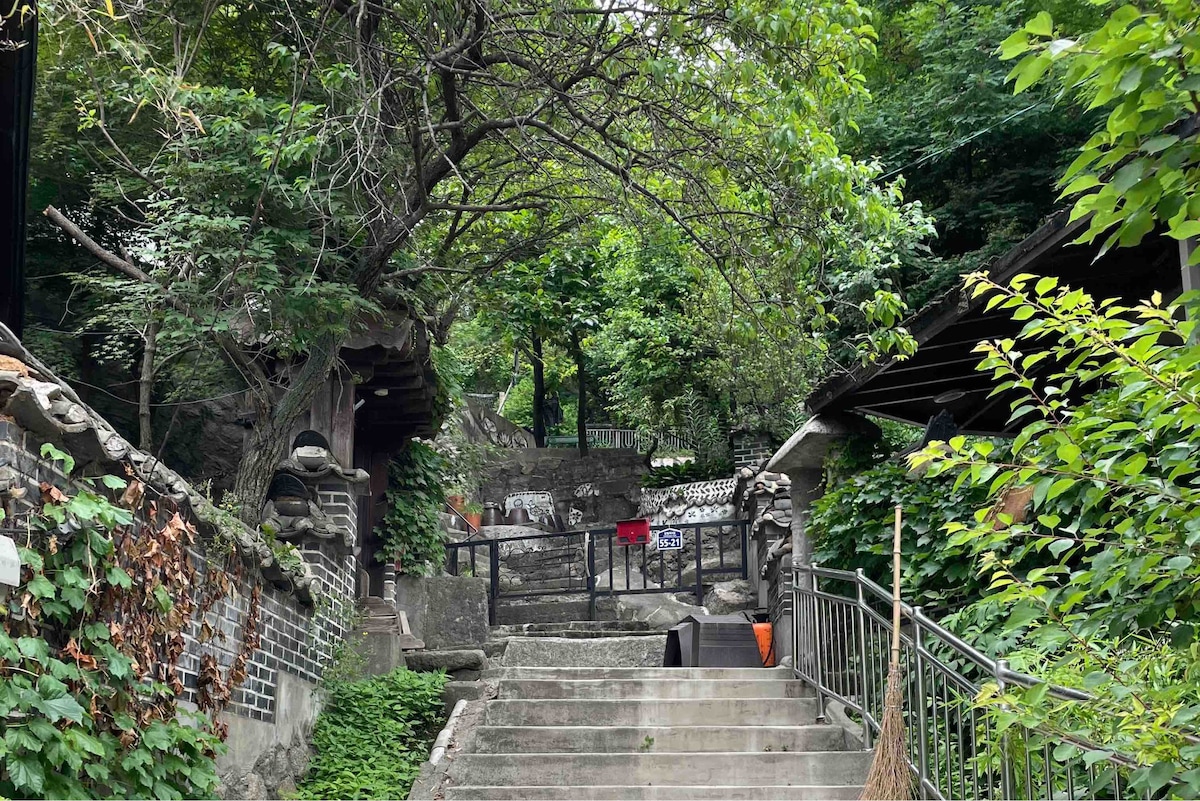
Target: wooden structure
column 941, row 375
column 382, row 396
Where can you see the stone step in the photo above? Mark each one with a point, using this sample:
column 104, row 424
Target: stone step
column 632, row 651
column 640, row 792
column 515, row 611
column 651, row 712
column 548, row 583
column 647, row 673
column 651, row 688
column 711, row 770
column 570, row 625
column 589, row 635
column 654, row 739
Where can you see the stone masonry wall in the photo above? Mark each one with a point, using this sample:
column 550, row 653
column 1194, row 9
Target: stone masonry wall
column 272, row 713
column 614, row 476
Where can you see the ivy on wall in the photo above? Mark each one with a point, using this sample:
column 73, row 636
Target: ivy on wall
column 90, row 648
column 373, row 735
column 411, row 531
column 851, row 527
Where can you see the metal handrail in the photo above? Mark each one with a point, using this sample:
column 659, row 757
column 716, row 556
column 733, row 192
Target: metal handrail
column 949, row 638
column 841, row 647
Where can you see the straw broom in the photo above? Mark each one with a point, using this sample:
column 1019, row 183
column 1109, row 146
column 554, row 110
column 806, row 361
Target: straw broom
column 889, row 777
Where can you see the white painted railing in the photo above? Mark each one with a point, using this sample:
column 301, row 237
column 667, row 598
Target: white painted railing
column 601, row 437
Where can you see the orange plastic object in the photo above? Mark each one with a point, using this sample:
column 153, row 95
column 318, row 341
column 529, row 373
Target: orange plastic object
column 764, row 633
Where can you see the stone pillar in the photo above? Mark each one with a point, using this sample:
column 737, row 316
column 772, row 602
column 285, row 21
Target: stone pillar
column 802, row 457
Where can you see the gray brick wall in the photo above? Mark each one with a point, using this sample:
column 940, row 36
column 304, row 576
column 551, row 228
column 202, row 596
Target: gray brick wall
column 294, row 638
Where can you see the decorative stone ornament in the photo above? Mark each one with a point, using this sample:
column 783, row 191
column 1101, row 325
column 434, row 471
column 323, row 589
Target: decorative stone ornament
column 294, row 511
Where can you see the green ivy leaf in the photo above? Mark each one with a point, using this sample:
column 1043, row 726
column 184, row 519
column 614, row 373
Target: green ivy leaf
column 58, row 708
column 26, row 772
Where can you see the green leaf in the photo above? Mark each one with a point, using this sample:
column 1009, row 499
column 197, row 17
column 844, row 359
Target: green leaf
column 26, row 772
column 1160, row 774
column 58, row 708
column 1179, row 563
column 113, row 482
column 1068, row 452
column 1041, row 25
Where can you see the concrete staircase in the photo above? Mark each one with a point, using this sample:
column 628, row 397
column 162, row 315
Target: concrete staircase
column 569, row 723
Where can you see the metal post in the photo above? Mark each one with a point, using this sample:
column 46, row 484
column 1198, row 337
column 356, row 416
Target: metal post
column 700, row 568
column 591, row 574
column 494, row 580
column 864, row 698
column 453, row 561
column 922, row 717
column 745, row 529
column 818, row 672
column 1006, row 772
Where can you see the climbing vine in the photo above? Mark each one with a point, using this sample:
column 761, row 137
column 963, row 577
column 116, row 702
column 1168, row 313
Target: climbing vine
column 411, row 531
column 91, row 643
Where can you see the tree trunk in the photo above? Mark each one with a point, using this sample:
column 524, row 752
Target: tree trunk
column 581, row 377
column 539, row 393
column 146, row 386
column 269, row 437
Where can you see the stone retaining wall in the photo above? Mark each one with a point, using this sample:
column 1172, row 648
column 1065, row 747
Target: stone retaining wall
column 604, row 486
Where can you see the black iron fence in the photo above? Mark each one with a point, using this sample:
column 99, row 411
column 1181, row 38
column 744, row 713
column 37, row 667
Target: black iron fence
column 596, row 562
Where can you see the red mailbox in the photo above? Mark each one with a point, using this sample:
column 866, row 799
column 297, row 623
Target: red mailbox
column 633, row 532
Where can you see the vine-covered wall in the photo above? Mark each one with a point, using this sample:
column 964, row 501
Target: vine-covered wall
column 239, row 630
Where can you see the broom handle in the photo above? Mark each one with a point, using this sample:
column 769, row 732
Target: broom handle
column 896, row 588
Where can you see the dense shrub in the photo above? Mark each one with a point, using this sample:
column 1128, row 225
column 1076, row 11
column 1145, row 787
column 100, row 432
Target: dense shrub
column 687, row 472
column 851, row 527
column 373, row 735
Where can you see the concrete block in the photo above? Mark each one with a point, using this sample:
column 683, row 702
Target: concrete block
column 649, row 792
column 445, row 611
column 456, row 691
column 654, row 739
column 652, row 688
column 714, row 770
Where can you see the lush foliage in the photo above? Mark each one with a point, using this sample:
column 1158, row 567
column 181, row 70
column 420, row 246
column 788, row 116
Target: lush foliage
column 1115, row 517
column 851, row 528
column 411, row 532
column 372, row 736
column 250, row 181
column 684, row 472
column 90, row 647
column 1143, row 66
column 982, row 162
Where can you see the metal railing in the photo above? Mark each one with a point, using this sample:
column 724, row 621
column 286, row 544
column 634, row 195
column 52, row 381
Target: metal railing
column 634, row 439
column 842, row 640
column 592, row 561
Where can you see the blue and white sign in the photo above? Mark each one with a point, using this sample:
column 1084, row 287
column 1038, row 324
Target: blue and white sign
column 669, row 539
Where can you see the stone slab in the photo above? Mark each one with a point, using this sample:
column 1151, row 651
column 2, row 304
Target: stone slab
column 606, row 652
column 656, row 739
column 644, row 792
column 450, row 660
column 714, row 770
